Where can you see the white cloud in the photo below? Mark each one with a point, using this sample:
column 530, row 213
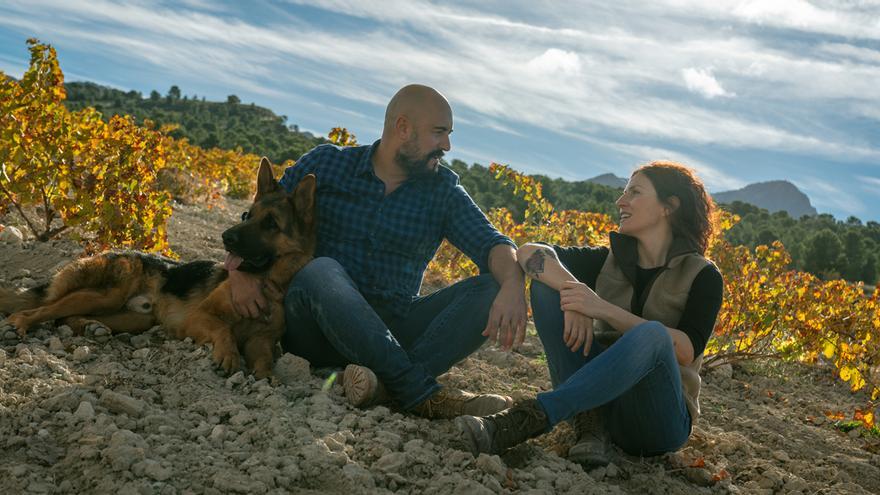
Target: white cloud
column 555, row 62
column 701, row 81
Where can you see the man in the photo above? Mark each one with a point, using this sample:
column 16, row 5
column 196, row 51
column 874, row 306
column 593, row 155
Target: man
column 383, row 210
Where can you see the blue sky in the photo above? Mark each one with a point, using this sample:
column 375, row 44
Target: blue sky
column 742, row 91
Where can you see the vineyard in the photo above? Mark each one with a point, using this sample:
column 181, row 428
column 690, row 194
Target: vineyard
column 111, row 184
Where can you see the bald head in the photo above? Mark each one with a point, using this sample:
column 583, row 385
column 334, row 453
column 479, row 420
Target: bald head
column 416, row 104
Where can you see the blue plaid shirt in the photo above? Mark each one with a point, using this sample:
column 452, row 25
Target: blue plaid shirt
column 386, row 242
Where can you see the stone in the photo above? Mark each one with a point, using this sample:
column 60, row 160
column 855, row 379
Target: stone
column 236, row 379
column 725, row 371
column 152, row 469
column 82, row 353
column 292, row 369
column 491, row 464
column 612, row 471
column 126, row 448
column 358, row 476
column 699, row 476
column 55, row 344
column 2, row 358
column 11, row 235
column 143, row 353
column 218, row 434
column 123, row 404
column 392, row 462
column 140, row 341
column 64, row 331
column 85, row 411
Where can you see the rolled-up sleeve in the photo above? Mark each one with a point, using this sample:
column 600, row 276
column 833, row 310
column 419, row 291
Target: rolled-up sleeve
column 468, row 229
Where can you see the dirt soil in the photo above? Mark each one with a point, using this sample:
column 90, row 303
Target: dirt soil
column 144, row 414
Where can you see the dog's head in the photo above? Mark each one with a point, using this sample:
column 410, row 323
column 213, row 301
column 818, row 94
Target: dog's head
column 278, row 223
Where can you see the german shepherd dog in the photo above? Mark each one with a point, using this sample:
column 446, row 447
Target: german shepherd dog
column 131, row 291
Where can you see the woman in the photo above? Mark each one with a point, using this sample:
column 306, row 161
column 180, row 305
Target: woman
column 654, row 292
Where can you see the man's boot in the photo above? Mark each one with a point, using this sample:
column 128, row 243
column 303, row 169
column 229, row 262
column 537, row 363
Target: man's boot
column 593, row 446
column 362, row 387
column 449, row 403
column 496, row 433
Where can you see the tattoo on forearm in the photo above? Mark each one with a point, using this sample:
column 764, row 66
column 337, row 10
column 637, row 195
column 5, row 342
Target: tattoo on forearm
column 535, row 263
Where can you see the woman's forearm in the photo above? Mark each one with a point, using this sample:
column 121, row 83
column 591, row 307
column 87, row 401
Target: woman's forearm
column 541, row 263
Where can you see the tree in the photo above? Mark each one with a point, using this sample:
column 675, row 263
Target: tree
column 233, row 100
column 174, row 93
column 155, row 96
column 823, row 254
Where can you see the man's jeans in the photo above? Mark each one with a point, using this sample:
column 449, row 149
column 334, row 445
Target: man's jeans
column 635, row 382
column 331, row 324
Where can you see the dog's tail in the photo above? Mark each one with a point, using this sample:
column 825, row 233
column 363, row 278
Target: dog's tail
column 12, row 300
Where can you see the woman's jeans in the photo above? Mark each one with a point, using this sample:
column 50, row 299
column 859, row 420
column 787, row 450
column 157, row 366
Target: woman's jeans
column 635, row 382
column 330, row 323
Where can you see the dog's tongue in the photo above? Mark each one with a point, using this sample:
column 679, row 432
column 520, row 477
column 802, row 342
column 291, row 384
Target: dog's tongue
column 232, row 262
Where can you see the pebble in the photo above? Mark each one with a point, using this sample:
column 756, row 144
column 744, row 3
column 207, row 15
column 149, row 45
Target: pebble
column 2, row 358
column 491, row 464
column 12, row 235
column 84, row 411
column 121, row 403
column 82, row 353
column 392, row 462
column 141, row 353
column 236, row 379
column 612, row 471
column 140, row 341
column 64, row 331
column 218, row 434
column 101, row 331
column 699, row 476
column 55, row 344
column 23, row 354
column 292, row 369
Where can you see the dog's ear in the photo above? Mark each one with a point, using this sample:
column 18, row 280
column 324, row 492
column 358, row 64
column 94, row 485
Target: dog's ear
column 303, row 199
column 265, row 180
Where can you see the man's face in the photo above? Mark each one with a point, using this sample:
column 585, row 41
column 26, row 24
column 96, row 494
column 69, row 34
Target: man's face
column 429, row 140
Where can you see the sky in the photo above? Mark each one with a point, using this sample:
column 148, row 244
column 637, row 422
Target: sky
column 741, row 91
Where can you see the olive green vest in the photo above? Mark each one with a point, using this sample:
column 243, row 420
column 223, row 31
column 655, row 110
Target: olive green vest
column 663, row 299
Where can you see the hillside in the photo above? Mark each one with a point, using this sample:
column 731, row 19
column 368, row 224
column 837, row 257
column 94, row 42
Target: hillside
column 144, row 413
column 208, row 124
column 773, row 196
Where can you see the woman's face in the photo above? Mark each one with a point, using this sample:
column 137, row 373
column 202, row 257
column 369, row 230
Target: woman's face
column 640, row 209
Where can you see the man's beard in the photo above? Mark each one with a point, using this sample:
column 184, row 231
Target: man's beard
column 416, row 166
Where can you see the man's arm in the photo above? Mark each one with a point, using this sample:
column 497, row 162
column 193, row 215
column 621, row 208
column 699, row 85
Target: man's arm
column 246, row 289
column 507, row 317
column 468, row 229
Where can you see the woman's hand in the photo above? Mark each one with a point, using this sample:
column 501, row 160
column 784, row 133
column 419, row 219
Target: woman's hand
column 577, row 296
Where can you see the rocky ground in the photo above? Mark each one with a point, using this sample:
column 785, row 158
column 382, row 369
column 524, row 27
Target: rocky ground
column 103, row 413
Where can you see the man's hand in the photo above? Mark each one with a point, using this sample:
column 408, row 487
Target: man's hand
column 507, row 318
column 247, row 295
column 578, row 331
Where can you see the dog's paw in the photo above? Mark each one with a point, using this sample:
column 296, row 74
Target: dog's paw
column 94, row 327
column 227, row 357
column 18, row 323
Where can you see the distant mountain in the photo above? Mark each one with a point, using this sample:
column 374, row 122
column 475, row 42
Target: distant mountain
column 609, row 180
column 773, row 196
